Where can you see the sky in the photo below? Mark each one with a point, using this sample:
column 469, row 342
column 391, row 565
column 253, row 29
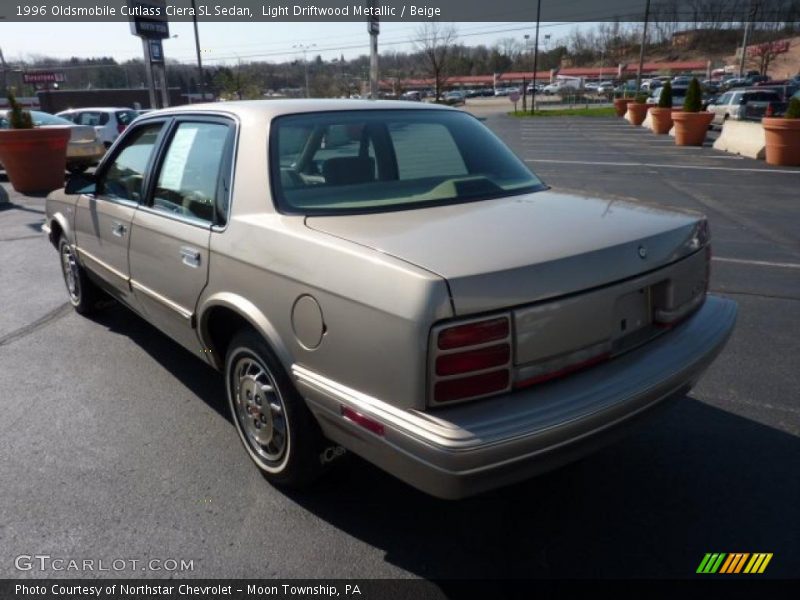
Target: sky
column 231, row 42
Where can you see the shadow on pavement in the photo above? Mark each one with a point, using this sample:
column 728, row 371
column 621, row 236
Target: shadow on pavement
column 692, row 480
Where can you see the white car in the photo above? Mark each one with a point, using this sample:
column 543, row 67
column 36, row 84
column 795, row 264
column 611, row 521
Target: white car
column 107, row 122
column 558, row 88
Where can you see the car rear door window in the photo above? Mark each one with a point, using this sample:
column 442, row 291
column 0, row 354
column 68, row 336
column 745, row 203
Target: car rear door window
column 189, row 174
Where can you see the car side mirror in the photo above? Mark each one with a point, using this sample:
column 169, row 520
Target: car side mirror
column 81, row 183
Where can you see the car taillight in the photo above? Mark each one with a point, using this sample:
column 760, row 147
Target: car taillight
column 473, row 333
column 471, row 360
column 120, row 127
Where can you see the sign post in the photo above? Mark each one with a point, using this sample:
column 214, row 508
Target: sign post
column 149, row 22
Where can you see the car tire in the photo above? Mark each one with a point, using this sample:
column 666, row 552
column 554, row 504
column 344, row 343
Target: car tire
column 274, row 424
column 82, row 292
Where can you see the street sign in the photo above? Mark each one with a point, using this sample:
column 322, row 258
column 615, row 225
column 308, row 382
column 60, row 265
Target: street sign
column 156, row 51
column 514, row 97
column 373, row 25
column 149, row 19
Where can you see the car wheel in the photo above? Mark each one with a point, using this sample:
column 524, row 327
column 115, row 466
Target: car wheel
column 83, row 293
column 272, row 419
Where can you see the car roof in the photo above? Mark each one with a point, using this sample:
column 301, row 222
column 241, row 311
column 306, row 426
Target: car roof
column 290, row 106
column 97, row 108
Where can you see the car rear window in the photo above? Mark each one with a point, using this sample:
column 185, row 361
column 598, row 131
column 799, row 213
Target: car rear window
column 383, row 160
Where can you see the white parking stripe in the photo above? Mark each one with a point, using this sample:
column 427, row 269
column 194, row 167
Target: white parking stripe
column 659, row 166
column 758, row 263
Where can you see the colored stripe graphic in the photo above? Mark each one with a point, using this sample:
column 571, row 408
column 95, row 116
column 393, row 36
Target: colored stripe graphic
column 703, row 563
column 726, row 565
column 735, row 562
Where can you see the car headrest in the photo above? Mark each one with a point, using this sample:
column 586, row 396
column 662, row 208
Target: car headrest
column 348, row 170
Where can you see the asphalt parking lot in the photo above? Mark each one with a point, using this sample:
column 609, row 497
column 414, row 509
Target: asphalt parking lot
column 116, row 442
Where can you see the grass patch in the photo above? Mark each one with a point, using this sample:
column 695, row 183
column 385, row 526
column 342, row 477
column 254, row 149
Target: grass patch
column 602, row 111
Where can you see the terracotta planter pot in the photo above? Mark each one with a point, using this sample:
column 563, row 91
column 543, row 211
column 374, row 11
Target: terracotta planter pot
column 783, row 141
column 637, row 113
column 621, row 106
column 691, row 127
column 35, row 159
column 662, row 120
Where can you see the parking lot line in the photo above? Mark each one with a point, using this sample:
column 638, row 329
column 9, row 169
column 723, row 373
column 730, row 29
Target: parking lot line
column 662, row 166
column 758, row 263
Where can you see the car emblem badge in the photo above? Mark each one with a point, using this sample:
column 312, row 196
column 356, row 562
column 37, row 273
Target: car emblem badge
column 642, row 252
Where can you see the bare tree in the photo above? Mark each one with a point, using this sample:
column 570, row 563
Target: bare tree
column 435, row 42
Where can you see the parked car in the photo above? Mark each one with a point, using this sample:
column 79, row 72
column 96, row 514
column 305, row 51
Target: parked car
column 107, row 122
column 406, row 292
column 83, row 148
column 678, row 96
column 455, row 98
column 747, row 104
column 605, row 87
column 412, row 95
column 559, row 88
column 785, row 88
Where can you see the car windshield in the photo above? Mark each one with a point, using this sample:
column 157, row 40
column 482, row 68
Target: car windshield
column 383, row 160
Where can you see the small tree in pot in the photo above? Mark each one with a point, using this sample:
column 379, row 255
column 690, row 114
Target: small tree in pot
column 661, row 115
column 783, row 136
column 691, row 124
column 637, row 110
column 34, row 157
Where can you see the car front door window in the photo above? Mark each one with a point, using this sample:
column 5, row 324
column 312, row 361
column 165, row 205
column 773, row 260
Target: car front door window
column 124, row 178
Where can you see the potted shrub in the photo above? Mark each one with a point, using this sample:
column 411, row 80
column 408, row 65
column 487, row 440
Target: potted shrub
column 661, row 115
column 621, row 101
column 783, row 136
column 638, row 110
column 34, row 157
column 691, row 124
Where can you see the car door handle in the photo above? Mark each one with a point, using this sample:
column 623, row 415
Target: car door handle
column 118, row 229
column 190, row 256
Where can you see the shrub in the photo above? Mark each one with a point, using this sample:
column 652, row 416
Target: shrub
column 640, row 99
column 694, row 98
column 793, row 112
column 19, row 118
column 665, row 99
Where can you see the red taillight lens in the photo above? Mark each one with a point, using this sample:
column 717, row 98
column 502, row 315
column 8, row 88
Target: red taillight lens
column 473, row 360
column 462, row 355
column 120, row 127
column 468, row 387
column 473, row 334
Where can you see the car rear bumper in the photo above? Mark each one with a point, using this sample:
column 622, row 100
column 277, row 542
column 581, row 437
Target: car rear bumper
column 463, row 450
column 85, row 153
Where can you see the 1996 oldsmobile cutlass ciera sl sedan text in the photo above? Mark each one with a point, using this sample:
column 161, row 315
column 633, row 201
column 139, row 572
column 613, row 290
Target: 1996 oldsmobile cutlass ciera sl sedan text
column 389, row 278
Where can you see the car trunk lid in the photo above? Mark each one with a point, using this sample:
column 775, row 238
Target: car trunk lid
column 514, row 251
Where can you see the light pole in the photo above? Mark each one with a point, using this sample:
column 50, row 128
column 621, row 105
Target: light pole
column 641, row 50
column 750, row 16
column 305, row 48
column 201, row 83
column 524, row 85
column 536, row 53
